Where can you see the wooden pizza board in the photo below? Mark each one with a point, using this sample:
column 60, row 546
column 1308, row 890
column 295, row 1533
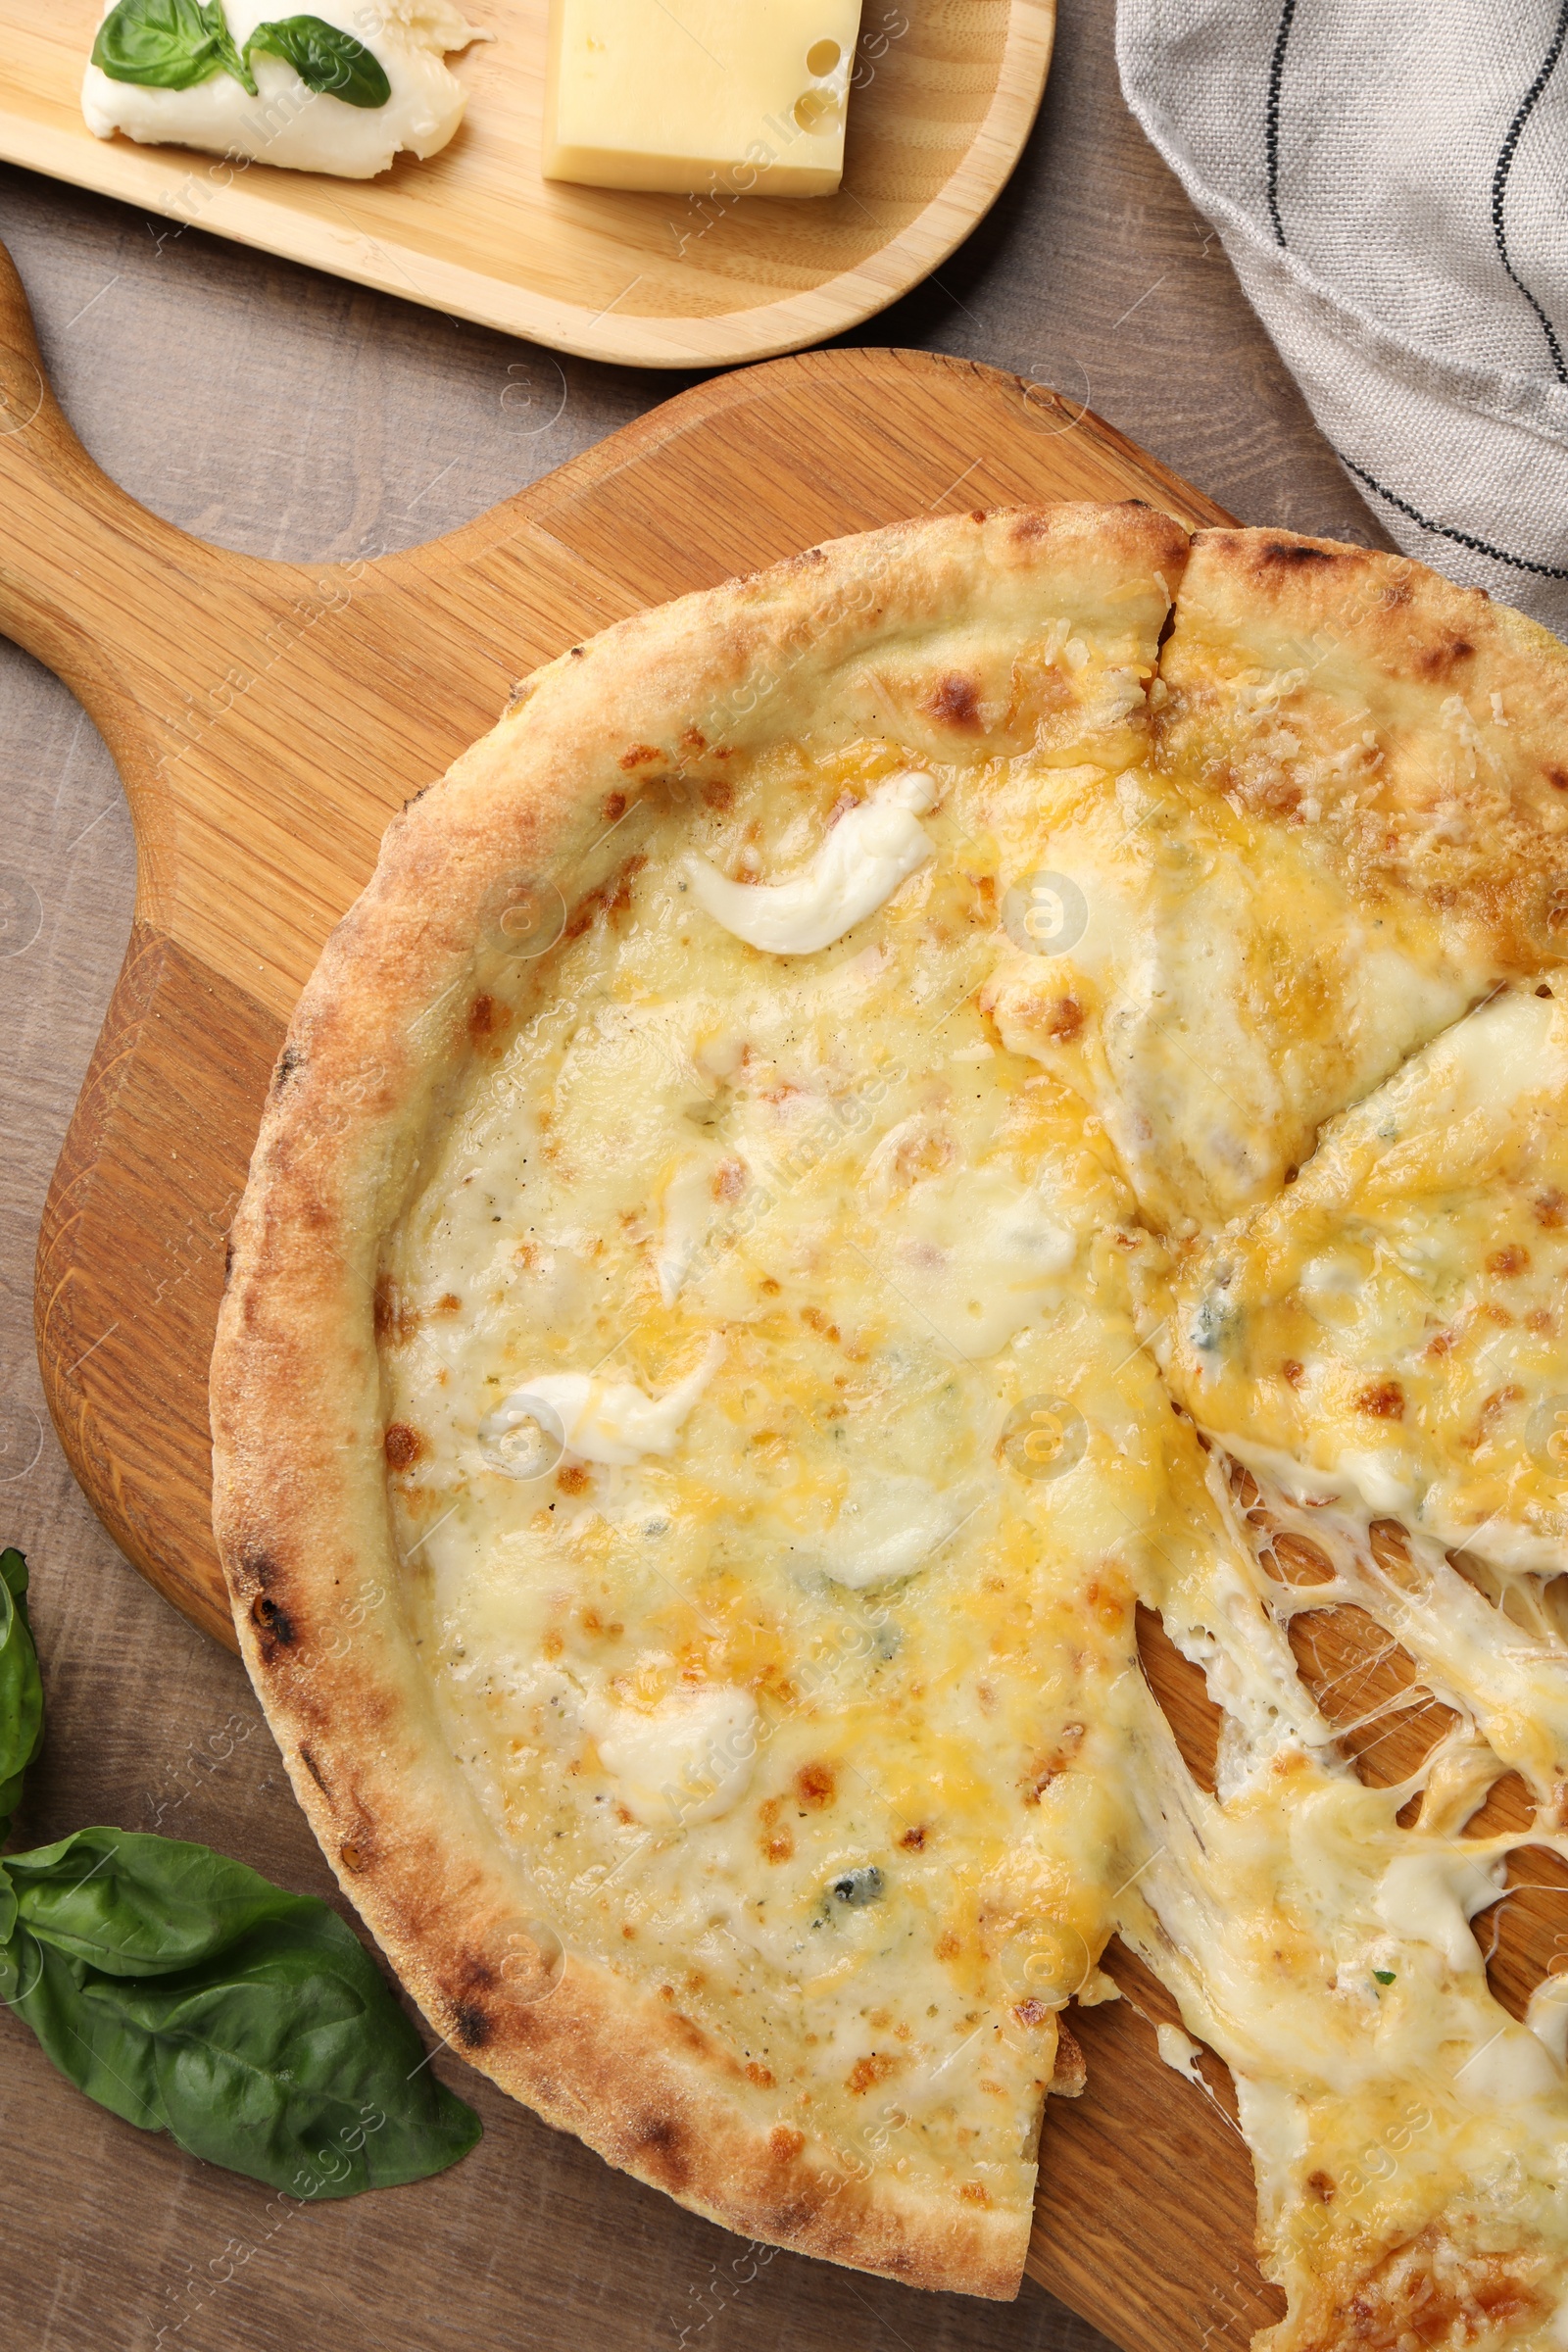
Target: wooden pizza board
column 266, row 719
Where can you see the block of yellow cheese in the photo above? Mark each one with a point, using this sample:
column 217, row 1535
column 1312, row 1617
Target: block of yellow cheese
column 697, row 97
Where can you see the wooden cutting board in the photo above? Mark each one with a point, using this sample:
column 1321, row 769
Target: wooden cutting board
column 942, row 102
column 266, row 719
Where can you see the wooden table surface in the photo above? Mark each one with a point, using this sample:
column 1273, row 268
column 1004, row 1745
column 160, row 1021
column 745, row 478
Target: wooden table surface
column 292, row 415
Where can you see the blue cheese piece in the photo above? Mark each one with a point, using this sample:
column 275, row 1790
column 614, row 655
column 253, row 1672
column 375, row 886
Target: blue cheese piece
column 285, row 123
column 702, row 97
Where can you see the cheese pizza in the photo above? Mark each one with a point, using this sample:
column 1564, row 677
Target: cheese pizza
column 892, row 1114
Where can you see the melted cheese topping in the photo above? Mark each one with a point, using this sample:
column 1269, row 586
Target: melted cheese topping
column 1389, row 1333
column 804, row 1684
column 287, row 124
column 1228, row 991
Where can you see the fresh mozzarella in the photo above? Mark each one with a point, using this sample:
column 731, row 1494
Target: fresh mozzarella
column 686, row 1760
column 290, row 125
column 870, row 852
column 599, row 1420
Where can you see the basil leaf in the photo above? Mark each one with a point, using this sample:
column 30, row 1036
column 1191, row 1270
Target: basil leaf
column 8, row 1926
column 325, row 60
column 284, row 2055
column 21, row 1688
column 135, row 1905
column 169, row 45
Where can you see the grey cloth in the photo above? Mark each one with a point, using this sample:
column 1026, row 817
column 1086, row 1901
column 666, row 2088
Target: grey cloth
column 1390, row 182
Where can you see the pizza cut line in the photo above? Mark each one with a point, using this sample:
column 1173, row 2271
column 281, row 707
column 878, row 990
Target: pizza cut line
column 1009, row 1070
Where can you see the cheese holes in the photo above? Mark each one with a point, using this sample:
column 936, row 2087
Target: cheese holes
column 814, row 109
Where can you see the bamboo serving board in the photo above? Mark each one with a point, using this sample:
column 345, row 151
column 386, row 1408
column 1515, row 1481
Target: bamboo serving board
column 943, row 101
column 267, row 719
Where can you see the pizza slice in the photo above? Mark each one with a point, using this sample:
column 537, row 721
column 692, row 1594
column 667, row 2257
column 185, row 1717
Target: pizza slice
column 1386, row 1336
column 1352, row 825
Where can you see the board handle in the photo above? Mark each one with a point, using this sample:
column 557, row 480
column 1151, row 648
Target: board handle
column 91, row 583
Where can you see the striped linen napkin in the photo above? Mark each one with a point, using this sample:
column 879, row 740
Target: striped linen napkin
column 1390, row 182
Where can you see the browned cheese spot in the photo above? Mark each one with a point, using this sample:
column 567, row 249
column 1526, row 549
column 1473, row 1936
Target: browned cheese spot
column 486, row 1020
column 402, row 1446
column 955, row 702
column 1438, row 660
column 1045, row 1769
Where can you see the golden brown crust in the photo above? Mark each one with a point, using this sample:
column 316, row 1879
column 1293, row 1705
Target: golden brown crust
column 1419, row 722
column 932, row 623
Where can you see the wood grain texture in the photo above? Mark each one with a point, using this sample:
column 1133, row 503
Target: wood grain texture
column 266, row 719
column 943, row 103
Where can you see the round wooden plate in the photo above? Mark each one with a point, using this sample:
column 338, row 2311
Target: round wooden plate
column 943, row 101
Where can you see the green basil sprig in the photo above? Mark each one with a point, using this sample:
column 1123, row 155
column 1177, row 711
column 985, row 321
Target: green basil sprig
column 21, row 1690
column 169, row 45
column 176, row 44
column 325, row 60
column 188, row 1994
